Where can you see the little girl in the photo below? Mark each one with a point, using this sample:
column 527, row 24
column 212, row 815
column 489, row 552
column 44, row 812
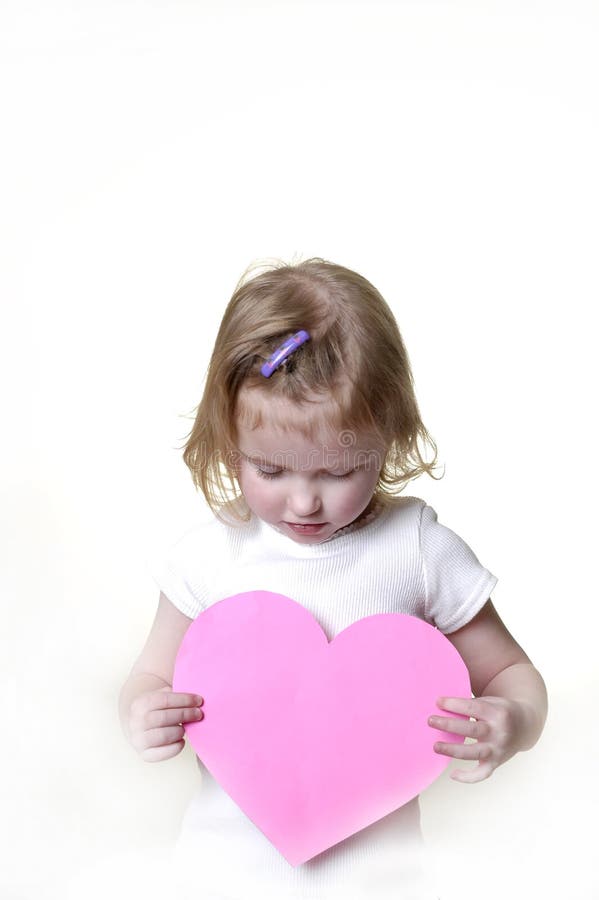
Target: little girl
column 307, row 431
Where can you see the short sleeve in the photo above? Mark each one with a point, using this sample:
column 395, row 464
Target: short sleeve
column 180, row 571
column 457, row 586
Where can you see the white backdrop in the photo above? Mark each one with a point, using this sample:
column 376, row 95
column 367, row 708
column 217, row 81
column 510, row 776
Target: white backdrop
column 150, row 151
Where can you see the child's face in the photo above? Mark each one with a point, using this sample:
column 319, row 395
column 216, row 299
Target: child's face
column 308, row 489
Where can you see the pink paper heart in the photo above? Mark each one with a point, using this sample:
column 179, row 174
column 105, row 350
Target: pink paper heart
column 316, row 740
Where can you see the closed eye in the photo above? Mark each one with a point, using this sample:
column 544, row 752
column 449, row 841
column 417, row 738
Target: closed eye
column 264, row 473
column 274, row 473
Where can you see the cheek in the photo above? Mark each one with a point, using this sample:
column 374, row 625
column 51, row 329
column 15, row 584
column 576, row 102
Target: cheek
column 360, row 493
column 255, row 489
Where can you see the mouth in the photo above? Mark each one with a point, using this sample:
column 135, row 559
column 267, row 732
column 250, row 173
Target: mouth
column 306, row 529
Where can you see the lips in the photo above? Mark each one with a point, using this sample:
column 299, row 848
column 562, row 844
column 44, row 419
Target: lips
column 306, row 529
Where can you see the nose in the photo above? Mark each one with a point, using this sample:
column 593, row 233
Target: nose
column 304, row 501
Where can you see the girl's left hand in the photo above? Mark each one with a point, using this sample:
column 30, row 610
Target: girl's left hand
column 497, row 730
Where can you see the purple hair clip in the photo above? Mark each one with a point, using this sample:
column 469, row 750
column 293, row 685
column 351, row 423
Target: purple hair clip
column 282, row 352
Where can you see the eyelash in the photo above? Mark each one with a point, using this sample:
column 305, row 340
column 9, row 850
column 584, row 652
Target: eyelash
column 264, row 474
column 269, row 475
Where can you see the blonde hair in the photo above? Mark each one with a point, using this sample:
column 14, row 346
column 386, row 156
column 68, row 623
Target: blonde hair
column 355, row 358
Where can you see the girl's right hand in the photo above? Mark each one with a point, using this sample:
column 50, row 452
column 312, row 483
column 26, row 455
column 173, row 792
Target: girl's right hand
column 155, row 722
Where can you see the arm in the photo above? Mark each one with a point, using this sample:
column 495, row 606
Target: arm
column 510, row 705
column 151, row 714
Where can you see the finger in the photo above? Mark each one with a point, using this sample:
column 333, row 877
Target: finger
column 162, row 699
column 158, row 754
column 465, row 706
column 472, row 776
column 165, row 699
column 161, row 718
column 465, row 727
column 463, row 751
column 159, row 737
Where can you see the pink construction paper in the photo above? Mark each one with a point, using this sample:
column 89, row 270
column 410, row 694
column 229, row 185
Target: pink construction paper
column 315, row 740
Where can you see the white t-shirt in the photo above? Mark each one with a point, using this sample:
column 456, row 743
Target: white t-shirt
column 401, row 560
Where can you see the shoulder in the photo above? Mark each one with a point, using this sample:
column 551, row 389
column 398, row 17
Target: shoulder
column 212, row 535
column 185, row 569
column 456, row 583
column 189, row 538
column 413, row 514
column 403, row 513
column 436, row 538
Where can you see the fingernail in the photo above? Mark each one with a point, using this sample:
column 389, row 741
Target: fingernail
column 199, row 700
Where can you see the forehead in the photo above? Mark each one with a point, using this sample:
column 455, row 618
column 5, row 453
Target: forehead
column 317, row 419
column 270, row 427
